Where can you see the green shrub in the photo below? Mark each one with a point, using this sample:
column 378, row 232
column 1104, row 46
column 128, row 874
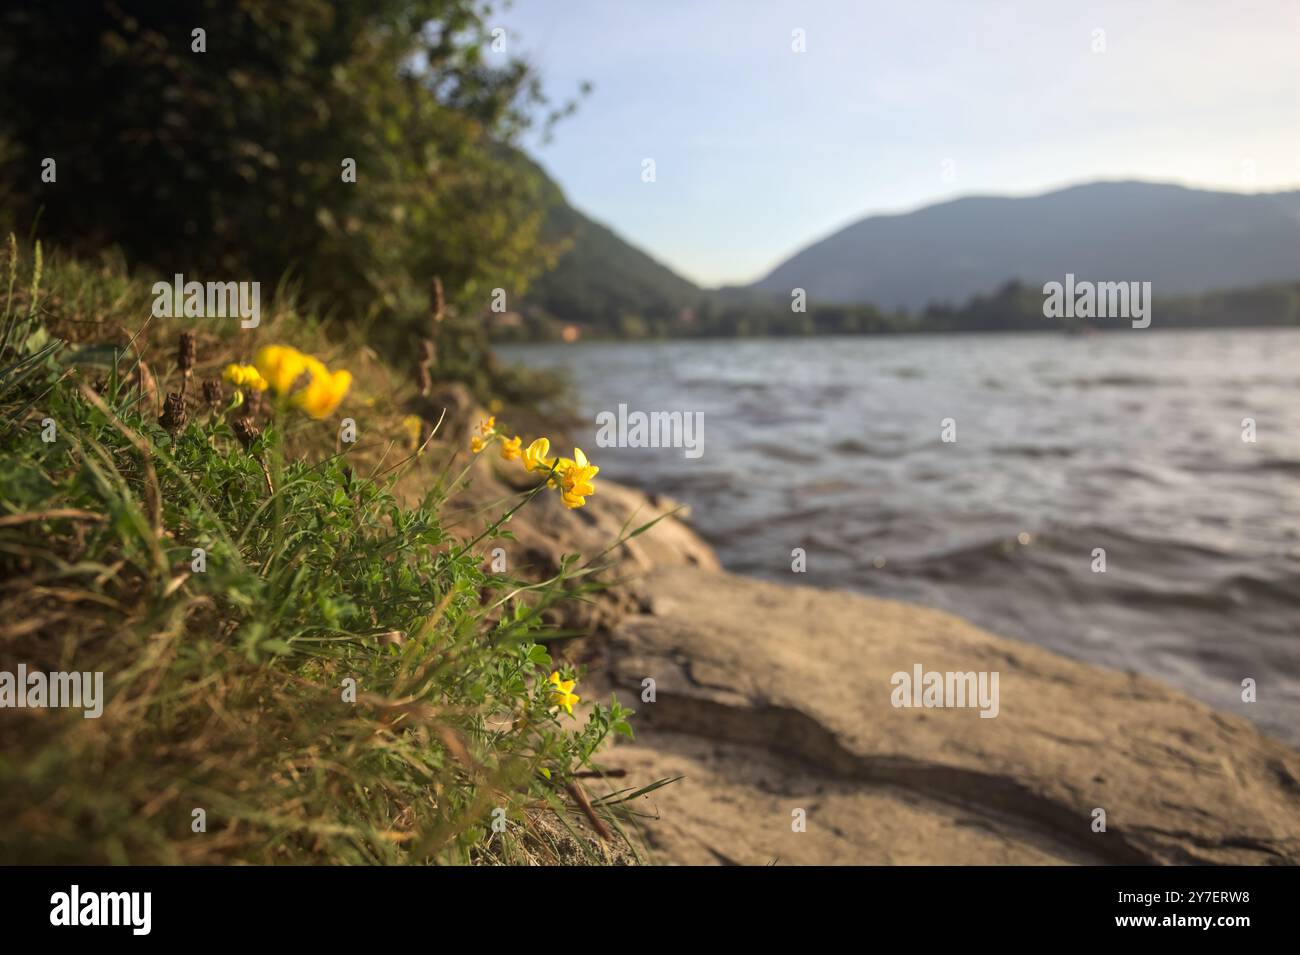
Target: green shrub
column 226, row 680
column 228, row 163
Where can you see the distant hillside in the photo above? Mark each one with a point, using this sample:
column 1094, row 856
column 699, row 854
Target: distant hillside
column 602, row 280
column 1183, row 241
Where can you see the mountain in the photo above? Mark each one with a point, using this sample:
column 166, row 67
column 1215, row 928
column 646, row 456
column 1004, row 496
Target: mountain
column 602, row 277
column 601, row 280
column 1183, row 241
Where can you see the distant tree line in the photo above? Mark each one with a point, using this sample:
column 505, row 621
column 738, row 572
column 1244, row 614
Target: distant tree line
column 1013, row 307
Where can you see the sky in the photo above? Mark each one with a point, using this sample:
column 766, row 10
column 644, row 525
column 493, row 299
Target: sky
column 760, row 150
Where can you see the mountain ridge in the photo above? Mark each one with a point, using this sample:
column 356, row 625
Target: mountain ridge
column 1184, row 240
column 949, row 262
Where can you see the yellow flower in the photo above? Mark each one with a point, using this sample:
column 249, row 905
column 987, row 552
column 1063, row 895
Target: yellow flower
column 414, row 428
column 510, row 448
column 281, row 366
column 572, row 476
column 324, row 391
column 561, row 465
column 576, row 478
column 581, row 472
column 487, row 430
column 563, row 695
column 244, row 376
column 535, row 458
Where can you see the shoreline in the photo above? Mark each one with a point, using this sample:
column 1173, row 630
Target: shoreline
column 772, row 703
column 772, row 699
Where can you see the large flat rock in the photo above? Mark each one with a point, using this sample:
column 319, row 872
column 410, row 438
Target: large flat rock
column 772, row 699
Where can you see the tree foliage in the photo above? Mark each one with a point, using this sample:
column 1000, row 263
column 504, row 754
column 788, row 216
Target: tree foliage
column 228, row 162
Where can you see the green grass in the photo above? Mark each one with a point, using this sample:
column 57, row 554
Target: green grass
column 225, row 680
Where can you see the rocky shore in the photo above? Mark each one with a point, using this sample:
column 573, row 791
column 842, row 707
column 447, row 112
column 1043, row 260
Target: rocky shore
column 772, row 703
column 772, row 698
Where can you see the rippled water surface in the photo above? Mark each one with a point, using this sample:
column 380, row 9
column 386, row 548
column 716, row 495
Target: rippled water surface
column 1129, row 441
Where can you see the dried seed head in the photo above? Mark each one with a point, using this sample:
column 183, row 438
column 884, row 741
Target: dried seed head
column 213, row 393
column 246, row 431
column 437, row 303
column 187, row 351
column 173, row 416
column 252, row 402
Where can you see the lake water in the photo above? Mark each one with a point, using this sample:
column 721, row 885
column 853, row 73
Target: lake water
column 1129, row 441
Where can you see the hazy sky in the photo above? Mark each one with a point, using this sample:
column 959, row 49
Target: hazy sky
column 760, row 150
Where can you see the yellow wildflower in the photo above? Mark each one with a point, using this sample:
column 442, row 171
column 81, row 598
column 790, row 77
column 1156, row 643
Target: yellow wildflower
column 324, row 391
column 563, row 695
column 510, row 450
column 487, row 430
column 575, row 480
column 414, row 428
column 535, row 458
column 244, row 376
column 572, row 476
column 281, row 366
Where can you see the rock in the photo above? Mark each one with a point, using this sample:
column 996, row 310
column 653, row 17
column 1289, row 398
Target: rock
column 611, row 512
column 775, row 698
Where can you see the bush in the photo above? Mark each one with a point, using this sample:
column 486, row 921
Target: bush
column 228, row 162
